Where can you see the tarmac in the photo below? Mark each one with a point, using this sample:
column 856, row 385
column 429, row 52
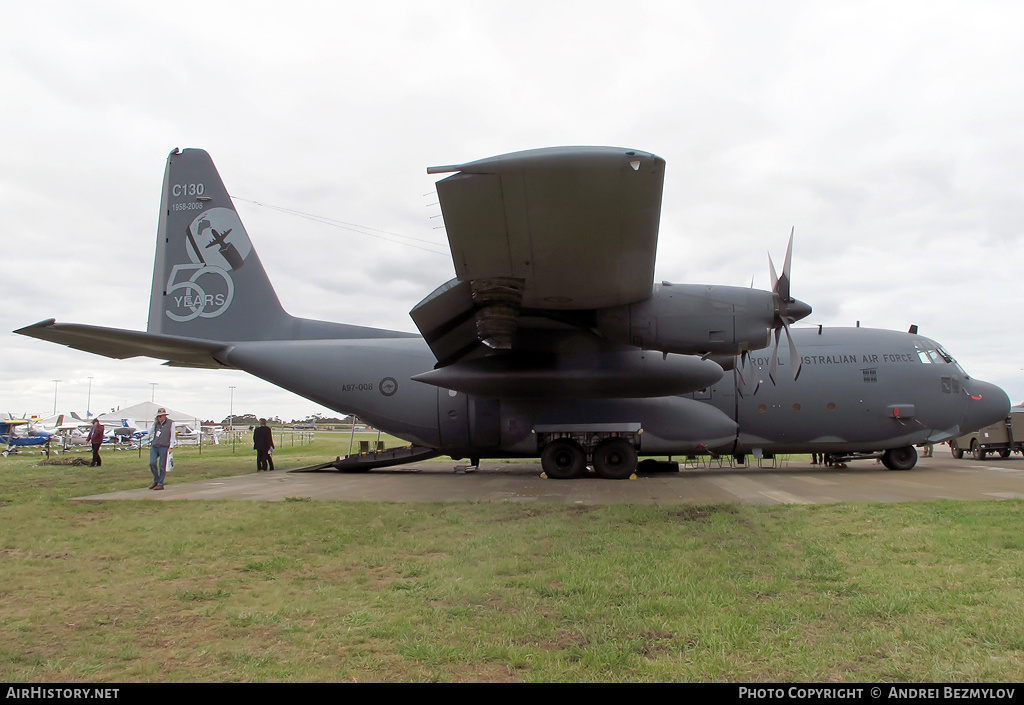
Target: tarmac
column 777, row 482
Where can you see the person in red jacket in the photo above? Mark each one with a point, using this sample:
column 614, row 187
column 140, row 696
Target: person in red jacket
column 96, row 440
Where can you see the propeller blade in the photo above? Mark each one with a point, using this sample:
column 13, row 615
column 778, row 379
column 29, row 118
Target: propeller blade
column 788, row 265
column 780, row 285
column 794, row 357
column 755, row 375
column 752, row 377
column 775, row 358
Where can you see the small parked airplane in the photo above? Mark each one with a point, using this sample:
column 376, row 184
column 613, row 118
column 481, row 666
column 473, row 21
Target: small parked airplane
column 11, row 438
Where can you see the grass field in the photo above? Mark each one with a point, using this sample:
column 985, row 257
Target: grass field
column 315, row 591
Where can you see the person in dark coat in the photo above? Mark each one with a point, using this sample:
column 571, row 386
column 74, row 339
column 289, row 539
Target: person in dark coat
column 96, row 440
column 263, row 444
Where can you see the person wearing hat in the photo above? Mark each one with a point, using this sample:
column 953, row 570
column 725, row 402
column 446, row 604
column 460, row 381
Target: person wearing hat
column 161, row 435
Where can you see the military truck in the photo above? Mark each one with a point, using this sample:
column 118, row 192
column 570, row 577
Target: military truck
column 1004, row 437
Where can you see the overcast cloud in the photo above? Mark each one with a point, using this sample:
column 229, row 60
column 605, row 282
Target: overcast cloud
column 889, row 134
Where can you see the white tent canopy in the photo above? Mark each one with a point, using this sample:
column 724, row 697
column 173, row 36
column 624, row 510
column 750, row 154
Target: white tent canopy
column 145, row 413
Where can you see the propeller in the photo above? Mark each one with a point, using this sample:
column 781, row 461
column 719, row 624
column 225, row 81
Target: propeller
column 787, row 311
column 751, row 381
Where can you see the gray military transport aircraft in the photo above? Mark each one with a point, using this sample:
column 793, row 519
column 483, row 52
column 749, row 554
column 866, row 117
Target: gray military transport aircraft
column 553, row 339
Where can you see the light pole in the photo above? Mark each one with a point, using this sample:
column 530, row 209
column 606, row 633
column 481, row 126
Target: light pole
column 88, row 400
column 231, row 418
column 55, row 383
column 152, row 391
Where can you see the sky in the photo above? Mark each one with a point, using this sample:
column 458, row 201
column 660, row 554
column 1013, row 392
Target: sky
column 889, row 135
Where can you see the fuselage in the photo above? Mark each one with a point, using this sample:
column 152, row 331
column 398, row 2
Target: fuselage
column 860, row 389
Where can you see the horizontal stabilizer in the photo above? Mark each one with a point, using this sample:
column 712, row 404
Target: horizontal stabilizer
column 120, row 344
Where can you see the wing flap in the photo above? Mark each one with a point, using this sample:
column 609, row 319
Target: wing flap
column 120, row 344
column 447, row 321
column 459, row 317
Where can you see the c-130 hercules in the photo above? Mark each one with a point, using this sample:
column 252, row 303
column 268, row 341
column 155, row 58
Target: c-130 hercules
column 552, row 340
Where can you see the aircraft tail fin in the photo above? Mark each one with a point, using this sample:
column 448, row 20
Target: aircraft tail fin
column 208, row 281
column 209, row 287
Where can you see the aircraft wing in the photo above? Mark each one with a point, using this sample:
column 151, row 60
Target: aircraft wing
column 548, row 230
column 118, row 343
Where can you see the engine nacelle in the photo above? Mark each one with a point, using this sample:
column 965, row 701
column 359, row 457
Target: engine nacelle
column 693, row 319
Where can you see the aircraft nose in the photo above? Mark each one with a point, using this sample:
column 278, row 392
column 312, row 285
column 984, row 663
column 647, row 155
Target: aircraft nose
column 986, row 404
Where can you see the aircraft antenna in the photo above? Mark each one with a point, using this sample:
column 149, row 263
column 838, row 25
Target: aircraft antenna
column 352, row 227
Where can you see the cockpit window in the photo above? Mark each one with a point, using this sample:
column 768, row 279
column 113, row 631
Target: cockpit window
column 932, row 354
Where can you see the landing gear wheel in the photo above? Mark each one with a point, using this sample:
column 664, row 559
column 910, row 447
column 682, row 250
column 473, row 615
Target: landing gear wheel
column 976, row 450
column 615, row 459
column 563, row 460
column 900, row 458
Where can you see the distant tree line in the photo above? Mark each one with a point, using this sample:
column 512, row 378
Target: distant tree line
column 252, row 420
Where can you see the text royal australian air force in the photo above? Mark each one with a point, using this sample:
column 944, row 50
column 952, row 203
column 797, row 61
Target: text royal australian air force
column 841, row 359
column 833, row 348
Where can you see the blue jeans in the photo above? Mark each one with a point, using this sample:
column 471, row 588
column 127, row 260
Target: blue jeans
column 158, row 463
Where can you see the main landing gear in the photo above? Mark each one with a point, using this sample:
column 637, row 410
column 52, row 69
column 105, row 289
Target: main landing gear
column 565, row 459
